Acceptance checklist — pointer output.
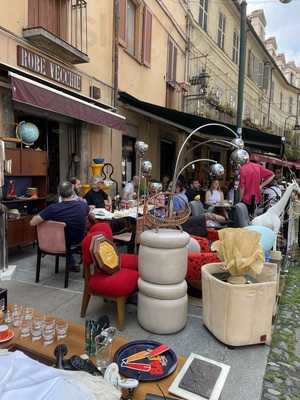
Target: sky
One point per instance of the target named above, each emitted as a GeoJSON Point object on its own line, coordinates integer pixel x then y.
{"type": "Point", "coordinates": [283, 22]}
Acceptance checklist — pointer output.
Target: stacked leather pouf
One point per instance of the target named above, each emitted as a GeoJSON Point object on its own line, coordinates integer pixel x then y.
{"type": "Point", "coordinates": [162, 298]}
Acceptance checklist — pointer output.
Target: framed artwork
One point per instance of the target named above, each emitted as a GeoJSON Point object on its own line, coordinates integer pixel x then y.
{"type": "Point", "coordinates": [200, 379]}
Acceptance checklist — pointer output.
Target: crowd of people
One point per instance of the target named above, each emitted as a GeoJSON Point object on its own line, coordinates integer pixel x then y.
{"type": "Point", "coordinates": [256, 186]}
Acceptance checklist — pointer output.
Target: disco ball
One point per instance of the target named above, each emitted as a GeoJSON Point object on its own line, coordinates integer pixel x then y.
{"type": "Point", "coordinates": [238, 142]}
{"type": "Point", "coordinates": [285, 1]}
{"type": "Point", "coordinates": [146, 167]}
{"type": "Point", "coordinates": [141, 148]}
{"type": "Point", "coordinates": [217, 170]}
{"type": "Point", "coordinates": [239, 156]}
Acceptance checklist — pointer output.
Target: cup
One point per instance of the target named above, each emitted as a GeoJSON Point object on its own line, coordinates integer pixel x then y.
{"type": "Point", "coordinates": [37, 327]}
{"type": "Point", "coordinates": [103, 352]}
{"type": "Point", "coordinates": [17, 312]}
{"type": "Point", "coordinates": [8, 316]}
{"type": "Point", "coordinates": [25, 328]}
{"type": "Point", "coordinates": [28, 313]}
{"type": "Point", "coordinates": [61, 329]}
{"type": "Point", "coordinates": [3, 332]}
{"type": "Point", "coordinates": [103, 343]}
{"type": "Point", "coordinates": [48, 330]}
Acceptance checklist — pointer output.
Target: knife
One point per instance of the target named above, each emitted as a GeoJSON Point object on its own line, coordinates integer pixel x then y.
{"type": "Point", "coordinates": [147, 353]}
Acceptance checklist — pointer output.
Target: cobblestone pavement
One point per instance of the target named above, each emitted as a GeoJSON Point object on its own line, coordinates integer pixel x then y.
{"type": "Point", "coordinates": [282, 377]}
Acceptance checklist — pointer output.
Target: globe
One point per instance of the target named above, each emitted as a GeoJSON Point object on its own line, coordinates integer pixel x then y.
{"type": "Point", "coordinates": [27, 132]}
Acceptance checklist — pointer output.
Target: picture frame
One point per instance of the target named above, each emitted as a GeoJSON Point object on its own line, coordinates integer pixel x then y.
{"type": "Point", "coordinates": [176, 390]}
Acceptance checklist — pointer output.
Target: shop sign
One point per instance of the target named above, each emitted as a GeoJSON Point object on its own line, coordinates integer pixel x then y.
{"type": "Point", "coordinates": [43, 66]}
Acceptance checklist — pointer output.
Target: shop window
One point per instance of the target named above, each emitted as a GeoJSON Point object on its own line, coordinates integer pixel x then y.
{"type": "Point", "coordinates": [203, 14]}
{"type": "Point", "coordinates": [221, 31]}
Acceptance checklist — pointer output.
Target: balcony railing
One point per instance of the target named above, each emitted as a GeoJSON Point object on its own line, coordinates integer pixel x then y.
{"type": "Point", "coordinates": [59, 27]}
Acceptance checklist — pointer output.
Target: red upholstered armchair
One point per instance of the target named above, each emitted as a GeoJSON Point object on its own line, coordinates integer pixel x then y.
{"type": "Point", "coordinates": [197, 260]}
{"type": "Point", "coordinates": [116, 287]}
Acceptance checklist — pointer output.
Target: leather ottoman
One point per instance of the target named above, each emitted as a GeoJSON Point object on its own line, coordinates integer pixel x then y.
{"type": "Point", "coordinates": [162, 298]}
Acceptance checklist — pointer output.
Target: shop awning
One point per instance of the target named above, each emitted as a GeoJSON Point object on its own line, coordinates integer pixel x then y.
{"type": "Point", "coordinates": [35, 94]}
{"type": "Point", "coordinates": [253, 138]}
{"type": "Point", "coordinates": [275, 161]}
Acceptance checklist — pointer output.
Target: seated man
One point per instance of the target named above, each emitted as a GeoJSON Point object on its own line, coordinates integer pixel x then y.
{"type": "Point", "coordinates": [194, 191]}
{"type": "Point", "coordinates": [70, 211]}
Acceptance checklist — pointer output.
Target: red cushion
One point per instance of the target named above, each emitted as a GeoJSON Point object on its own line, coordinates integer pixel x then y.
{"type": "Point", "coordinates": [104, 228]}
{"type": "Point", "coordinates": [196, 262]}
{"type": "Point", "coordinates": [129, 261]}
{"type": "Point", "coordinates": [212, 234]}
{"type": "Point", "coordinates": [121, 283]}
{"type": "Point", "coordinates": [203, 242]}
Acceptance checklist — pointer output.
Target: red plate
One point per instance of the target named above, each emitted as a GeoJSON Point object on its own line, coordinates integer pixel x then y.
{"type": "Point", "coordinates": [10, 335]}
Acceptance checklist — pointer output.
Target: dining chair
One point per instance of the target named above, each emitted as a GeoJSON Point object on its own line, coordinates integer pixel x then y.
{"type": "Point", "coordinates": [52, 240]}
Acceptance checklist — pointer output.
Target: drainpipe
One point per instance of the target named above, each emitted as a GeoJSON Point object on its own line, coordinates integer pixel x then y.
{"type": "Point", "coordinates": [115, 55]}
{"type": "Point", "coordinates": [242, 67]}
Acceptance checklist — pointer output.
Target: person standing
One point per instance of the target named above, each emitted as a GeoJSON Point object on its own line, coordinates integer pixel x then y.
{"type": "Point", "coordinates": [130, 189]}
{"type": "Point", "coordinates": [253, 178]}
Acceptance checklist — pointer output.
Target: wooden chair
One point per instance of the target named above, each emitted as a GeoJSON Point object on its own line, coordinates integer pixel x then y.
{"type": "Point", "coordinates": [52, 240]}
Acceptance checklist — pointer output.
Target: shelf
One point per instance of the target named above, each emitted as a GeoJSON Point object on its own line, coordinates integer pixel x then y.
{"type": "Point", "coordinates": [23, 200]}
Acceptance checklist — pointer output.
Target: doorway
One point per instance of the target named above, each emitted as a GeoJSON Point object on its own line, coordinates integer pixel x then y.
{"type": "Point", "coordinates": [128, 159]}
{"type": "Point", "coordinates": [167, 158]}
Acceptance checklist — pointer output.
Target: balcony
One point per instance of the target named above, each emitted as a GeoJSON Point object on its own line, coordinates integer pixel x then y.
{"type": "Point", "coordinates": [59, 27]}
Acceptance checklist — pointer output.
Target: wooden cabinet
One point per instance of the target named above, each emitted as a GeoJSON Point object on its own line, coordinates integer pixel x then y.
{"type": "Point", "coordinates": [33, 163]}
{"type": "Point", "coordinates": [15, 156]}
{"type": "Point", "coordinates": [19, 232]}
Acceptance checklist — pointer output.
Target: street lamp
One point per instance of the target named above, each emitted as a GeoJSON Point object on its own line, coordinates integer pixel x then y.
{"type": "Point", "coordinates": [242, 64]}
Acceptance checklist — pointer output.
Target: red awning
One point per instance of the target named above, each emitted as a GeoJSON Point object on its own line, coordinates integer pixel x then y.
{"type": "Point", "coordinates": [35, 94]}
{"type": "Point", "coordinates": [275, 161]}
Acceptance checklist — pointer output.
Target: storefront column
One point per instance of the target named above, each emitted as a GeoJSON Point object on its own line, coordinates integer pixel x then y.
{"type": "Point", "coordinates": [84, 154]}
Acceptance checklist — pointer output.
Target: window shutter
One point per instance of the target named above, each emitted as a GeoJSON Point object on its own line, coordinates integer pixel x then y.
{"type": "Point", "coordinates": [169, 61]}
{"type": "Point", "coordinates": [174, 63]}
{"type": "Point", "coordinates": [33, 13]}
{"type": "Point", "coordinates": [122, 22]}
{"type": "Point", "coordinates": [260, 74]}
{"type": "Point", "coordinates": [267, 75]}
{"type": "Point", "coordinates": [147, 37]}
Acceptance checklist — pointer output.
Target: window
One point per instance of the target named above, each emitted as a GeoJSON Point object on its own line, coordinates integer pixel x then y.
{"type": "Point", "coordinates": [203, 14]}
{"type": "Point", "coordinates": [135, 30]}
{"type": "Point", "coordinates": [267, 76]}
{"type": "Point", "coordinates": [235, 47]}
{"type": "Point", "coordinates": [171, 63]}
{"type": "Point", "coordinates": [292, 78]}
{"type": "Point", "coordinates": [221, 31]}
{"type": "Point", "coordinates": [291, 105]}
{"type": "Point", "coordinates": [281, 101]}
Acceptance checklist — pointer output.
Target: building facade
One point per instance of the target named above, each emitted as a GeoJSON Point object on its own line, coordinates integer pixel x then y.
{"type": "Point", "coordinates": [162, 56]}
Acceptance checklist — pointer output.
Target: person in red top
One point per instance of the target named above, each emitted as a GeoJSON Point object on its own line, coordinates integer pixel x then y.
{"type": "Point", "coordinates": [253, 178]}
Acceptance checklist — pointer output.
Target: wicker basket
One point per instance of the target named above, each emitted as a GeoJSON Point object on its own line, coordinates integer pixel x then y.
{"type": "Point", "coordinates": [166, 221]}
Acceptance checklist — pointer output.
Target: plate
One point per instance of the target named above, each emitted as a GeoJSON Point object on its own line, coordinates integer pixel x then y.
{"type": "Point", "coordinates": [8, 337]}
{"type": "Point", "coordinates": [164, 365]}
